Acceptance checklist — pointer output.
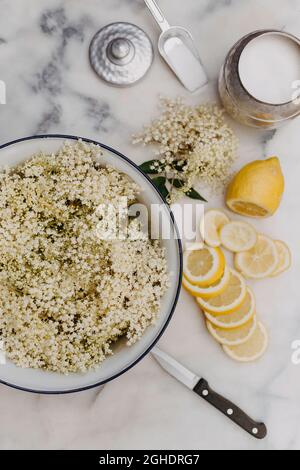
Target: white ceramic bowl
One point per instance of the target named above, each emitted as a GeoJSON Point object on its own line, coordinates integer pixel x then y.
{"type": "Point", "coordinates": [125, 357]}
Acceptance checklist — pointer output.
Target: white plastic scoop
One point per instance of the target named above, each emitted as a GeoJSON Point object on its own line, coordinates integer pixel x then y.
{"type": "Point", "coordinates": [176, 45]}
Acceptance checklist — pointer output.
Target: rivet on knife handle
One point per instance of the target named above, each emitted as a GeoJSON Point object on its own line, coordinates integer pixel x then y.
{"type": "Point", "coordinates": [257, 430]}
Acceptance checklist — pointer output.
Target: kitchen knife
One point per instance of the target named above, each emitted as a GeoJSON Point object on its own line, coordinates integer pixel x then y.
{"type": "Point", "coordinates": [202, 388]}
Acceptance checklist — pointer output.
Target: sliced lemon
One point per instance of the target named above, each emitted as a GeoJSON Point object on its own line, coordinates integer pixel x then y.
{"type": "Point", "coordinates": [233, 337]}
{"type": "Point", "coordinates": [203, 267]}
{"type": "Point", "coordinates": [285, 258]}
{"type": "Point", "coordinates": [210, 226]}
{"type": "Point", "coordinates": [238, 318]}
{"type": "Point", "coordinates": [259, 262]}
{"type": "Point", "coordinates": [253, 349]}
{"type": "Point", "coordinates": [238, 236]}
{"type": "Point", "coordinates": [208, 292]}
{"type": "Point", "coordinates": [256, 191]}
{"type": "Point", "coordinates": [230, 300]}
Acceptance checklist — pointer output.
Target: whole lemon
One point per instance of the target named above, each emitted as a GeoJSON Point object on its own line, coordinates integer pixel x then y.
{"type": "Point", "coordinates": [256, 191]}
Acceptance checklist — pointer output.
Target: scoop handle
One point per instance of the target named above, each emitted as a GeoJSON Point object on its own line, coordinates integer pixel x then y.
{"type": "Point", "coordinates": [158, 15]}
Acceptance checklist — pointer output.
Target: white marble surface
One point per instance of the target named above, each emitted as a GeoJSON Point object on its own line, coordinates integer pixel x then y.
{"type": "Point", "coordinates": [51, 89]}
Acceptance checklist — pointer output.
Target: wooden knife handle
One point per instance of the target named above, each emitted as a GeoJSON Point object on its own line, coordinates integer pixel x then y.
{"type": "Point", "coordinates": [235, 414]}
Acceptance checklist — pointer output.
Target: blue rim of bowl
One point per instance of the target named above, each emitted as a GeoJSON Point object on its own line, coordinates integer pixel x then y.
{"type": "Point", "coordinates": [180, 253]}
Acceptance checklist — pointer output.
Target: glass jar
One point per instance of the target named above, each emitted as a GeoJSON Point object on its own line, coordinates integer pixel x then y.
{"type": "Point", "coordinates": [240, 104]}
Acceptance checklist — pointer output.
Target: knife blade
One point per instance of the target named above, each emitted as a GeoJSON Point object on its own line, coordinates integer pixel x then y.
{"type": "Point", "coordinates": [201, 387]}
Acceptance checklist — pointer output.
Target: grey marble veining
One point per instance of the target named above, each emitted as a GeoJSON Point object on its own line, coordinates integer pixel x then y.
{"type": "Point", "coordinates": [51, 88]}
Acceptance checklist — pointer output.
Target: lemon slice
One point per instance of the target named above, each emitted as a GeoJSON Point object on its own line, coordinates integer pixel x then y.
{"type": "Point", "coordinates": [208, 292]}
{"type": "Point", "coordinates": [233, 337]}
{"type": "Point", "coordinates": [203, 267]}
{"type": "Point", "coordinates": [230, 300]}
{"type": "Point", "coordinates": [210, 226]}
{"type": "Point", "coordinates": [238, 236]}
{"type": "Point", "coordinates": [253, 349]}
{"type": "Point", "coordinates": [259, 262]}
{"type": "Point", "coordinates": [285, 258]}
{"type": "Point", "coordinates": [238, 318]}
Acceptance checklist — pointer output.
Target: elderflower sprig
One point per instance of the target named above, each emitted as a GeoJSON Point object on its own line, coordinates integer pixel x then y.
{"type": "Point", "coordinates": [195, 144]}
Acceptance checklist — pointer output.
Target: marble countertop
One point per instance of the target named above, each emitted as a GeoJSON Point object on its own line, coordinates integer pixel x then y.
{"type": "Point", "coordinates": [52, 89]}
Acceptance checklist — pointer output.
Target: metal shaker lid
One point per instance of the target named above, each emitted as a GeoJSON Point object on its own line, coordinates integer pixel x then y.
{"type": "Point", "coordinates": [121, 53]}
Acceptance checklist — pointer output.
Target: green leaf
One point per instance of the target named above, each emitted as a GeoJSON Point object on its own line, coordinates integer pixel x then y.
{"type": "Point", "coordinates": [160, 183]}
{"type": "Point", "coordinates": [160, 180]}
{"type": "Point", "coordinates": [177, 183]}
{"type": "Point", "coordinates": [147, 167]}
{"type": "Point", "coordinates": [193, 194]}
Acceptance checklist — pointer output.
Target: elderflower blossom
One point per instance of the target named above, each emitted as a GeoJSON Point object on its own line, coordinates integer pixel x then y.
{"type": "Point", "coordinates": [195, 144]}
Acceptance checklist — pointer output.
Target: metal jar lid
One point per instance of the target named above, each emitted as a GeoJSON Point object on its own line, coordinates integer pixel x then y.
{"type": "Point", "coordinates": [121, 53]}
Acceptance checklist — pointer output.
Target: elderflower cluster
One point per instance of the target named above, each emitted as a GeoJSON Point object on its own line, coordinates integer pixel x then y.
{"type": "Point", "coordinates": [65, 294]}
{"type": "Point", "coordinates": [194, 145]}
